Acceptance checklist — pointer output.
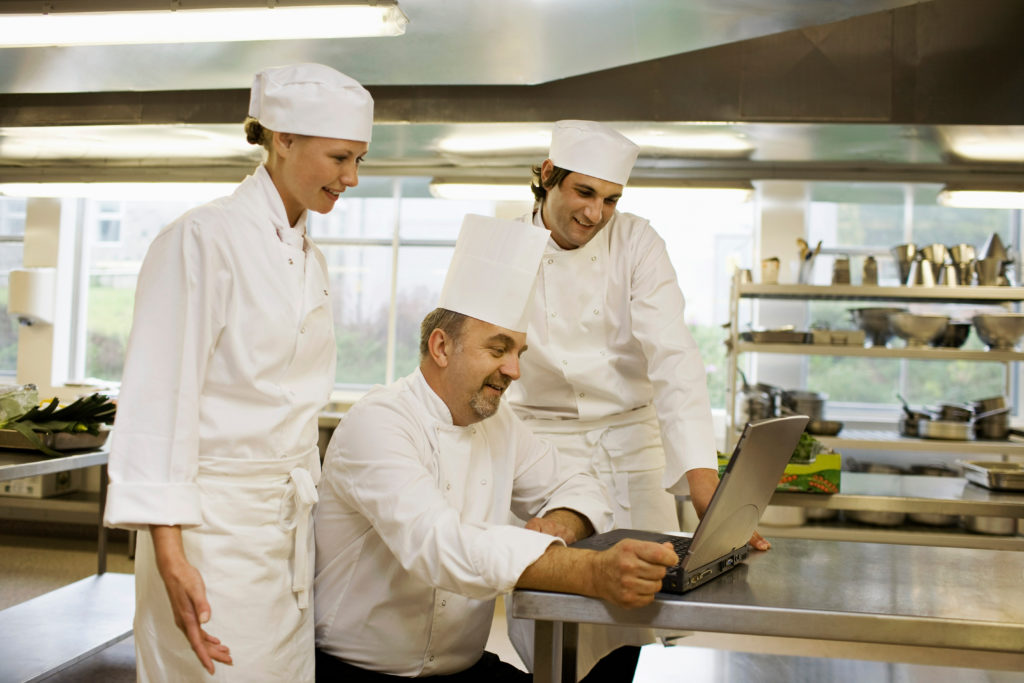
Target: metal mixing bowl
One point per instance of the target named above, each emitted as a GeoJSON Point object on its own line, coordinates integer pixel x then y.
{"type": "Point", "coordinates": [1000, 331]}
{"type": "Point", "coordinates": [918, 329]}
{"type": "Point", "coordinates": [875, 323]}
{"type": "Point", "coordinates": [954, 337]}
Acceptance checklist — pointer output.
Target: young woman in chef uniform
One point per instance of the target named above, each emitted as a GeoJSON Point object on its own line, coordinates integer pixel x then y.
{"type": "Point", "coordinates": [214, 457]}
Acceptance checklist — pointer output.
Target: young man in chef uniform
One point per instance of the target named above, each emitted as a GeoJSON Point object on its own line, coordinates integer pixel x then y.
{"type": "Point", "coordinates": [613, 378]}
{"type": "Point", "coordinates": [231, 357]}
{"type": "Point", "coordinates": [412, 534]}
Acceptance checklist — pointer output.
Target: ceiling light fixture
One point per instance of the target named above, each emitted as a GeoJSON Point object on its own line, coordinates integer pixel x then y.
{"type": "Point", "coordinates": [640, 189]}
{"type": "Point", "coordinates": [982, 198]}
{"type": "Point", "coordinates": [126, 192]}
{"type": "Point", "coordinates": [493, 190]}
{"type": "Point", "coordinates": [88, 24]}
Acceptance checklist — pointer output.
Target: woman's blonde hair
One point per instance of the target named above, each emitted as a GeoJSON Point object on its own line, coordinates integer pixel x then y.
{"type": "Point", "coordinates": [256, 134]}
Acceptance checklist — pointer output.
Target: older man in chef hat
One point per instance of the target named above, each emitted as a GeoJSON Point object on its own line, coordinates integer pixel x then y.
{"type": "Point", "coordinates": [614, 377]}
{"type": "Point", "coordinates": [413, 540]}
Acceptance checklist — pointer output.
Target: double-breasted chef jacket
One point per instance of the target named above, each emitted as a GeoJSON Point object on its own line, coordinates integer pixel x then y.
{"type": "Point", "coordinates": [413, 540]}
{"type": "Point", "coordinates": [608, 340]}
{"type": "Point", "coordinates": [230, 359]}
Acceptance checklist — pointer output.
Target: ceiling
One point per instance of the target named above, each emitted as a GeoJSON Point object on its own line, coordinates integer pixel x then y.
{"type": "Point", "coordinates": [713, 89]}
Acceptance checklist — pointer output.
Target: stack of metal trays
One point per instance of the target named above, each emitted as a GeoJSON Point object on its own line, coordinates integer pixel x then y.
{"type": "Point", "coordinates": [1007, 476]}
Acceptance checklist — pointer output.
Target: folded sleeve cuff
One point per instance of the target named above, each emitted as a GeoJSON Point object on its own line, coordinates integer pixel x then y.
{"type": "Point", "coordinates": [504, 552]}
{"type": "Point", "coordinates": [134, 505]}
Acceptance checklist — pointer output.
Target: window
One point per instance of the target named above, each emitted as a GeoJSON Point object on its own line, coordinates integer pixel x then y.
{"type": "Point", "coordinates": [868, 219]}
{"type": "Point", "coordinates": [12, 235]}
{"type": "Point", "coordinates": [108, 222]}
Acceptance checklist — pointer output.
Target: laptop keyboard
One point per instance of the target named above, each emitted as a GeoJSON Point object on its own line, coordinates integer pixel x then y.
{"type": "Point", "coordinates": [681, 544]}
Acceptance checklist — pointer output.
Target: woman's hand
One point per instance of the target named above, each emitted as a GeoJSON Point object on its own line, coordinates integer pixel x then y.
{"type": "Point", "coordinates": [187, 594]}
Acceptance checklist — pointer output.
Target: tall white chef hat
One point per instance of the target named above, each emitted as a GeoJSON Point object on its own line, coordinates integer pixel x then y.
{"type": "Point", "coordinates": [311, 99]}
{"type": "Point", "coordinates": [593, 149]}
{"type": "Point", "coordinates": [493, 270]}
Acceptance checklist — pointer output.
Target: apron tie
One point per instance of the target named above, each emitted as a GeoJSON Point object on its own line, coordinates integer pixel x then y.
{"type": "Point", "coordinates": [301, 497]}
{"type": "Point", "coordinates": [620, 488]}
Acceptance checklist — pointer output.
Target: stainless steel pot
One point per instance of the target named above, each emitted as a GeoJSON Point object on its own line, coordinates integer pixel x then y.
{"type": "Point", "coordinates": [876, 518]}
{"type": "Point", "coordinates": [809, 403]}
{"type": "Point", "coordinates": [995, 526]}
{"type": "Point", "coordinates": [933, 518]}
{"type": "Point", "coordinates": [950, 430]}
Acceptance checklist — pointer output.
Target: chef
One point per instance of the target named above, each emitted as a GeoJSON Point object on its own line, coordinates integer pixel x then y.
{"type": "Point", "coordinates": [412, 533]}
{"type": "Point", "coordinates": [231, 356]}
{"type": "Point", "coordinates": [613, 378]}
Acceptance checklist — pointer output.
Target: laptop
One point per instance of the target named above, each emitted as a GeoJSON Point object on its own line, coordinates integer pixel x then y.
{"type": "Point", "coordinates": [720, 541]}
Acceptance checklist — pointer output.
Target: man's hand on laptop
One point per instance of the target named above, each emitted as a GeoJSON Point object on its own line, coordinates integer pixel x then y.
{"type": "Point", "coordinates": [630, 572]}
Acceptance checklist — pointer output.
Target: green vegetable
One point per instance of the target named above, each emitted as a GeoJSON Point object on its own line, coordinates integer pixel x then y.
{"type": "Point", "coordinates": [84, 415]}
{"type": "Point", "coordinates": [806, 449]}
{"type": "Point", "coordinates": [17, 400]}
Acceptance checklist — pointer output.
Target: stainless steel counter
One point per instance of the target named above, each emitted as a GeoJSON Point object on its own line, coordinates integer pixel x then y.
{"type": "Point", "coordinates": [950, 599]}
{"type": "Point", "coordinates": [910, 493]}
{"type": "Point", "coordinates": [19, 465]}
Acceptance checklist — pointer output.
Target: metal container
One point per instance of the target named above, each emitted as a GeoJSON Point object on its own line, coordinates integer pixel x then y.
{"type": "Point", "coordinates": [908, 422]}
{"type": "Point", "coordinates": [950, 430]}
{"type": "Point", "coordinates": [918, 329]}
{"type": "Point", "coordinates": [809, 403]}
{"type": "Point", "coordinates": [875, 322]}
{"type": "Point", "coordinates": [955, 412]}
{"type": "Point", "coordinates": [922, 274]}
{"type": "Point", "coordinates": [876, 518]}
{"type": "Point", "coordinates": [1000, 331]}
{"type": "Point", "coordinates": [954, 337]}
{"type": "Point", "coordinates": [824, 427]}
{"type": "Point", "coordinates": [904, 255]}
{"type": "Point", "coordinates": [1008, 476]}
{"type": "Point", "coordinates": [933, 518]}
{"type": "Point", "coordinates": [994, 526]}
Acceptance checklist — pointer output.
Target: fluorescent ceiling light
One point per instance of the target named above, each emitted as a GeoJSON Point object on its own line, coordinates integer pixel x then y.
{"type": "Point", "coordinates": [495, 142]}
{"type": "Point", "coordinates": [201, 25]}
{"type": "Point", "coordinates": [494, 191]}
{"type": "Point", "coordinates": [985, 143]}
{"type": "Point", "coordinates": [982, 199]}
{"type": "Point", "coordinates": [126, 192]}
{"type": "Point", "coordinates": [712, 143]}
{"type": "Point", "coordinates": [172, 141]}
{"type": "Point", "coordinates": [689, 195]}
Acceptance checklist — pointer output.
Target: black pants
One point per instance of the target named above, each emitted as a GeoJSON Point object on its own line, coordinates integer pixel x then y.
{"type": "Point", "coordinates": [618, 667]}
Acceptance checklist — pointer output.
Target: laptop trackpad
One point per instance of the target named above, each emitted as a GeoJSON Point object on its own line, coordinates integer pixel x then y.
{"type": "Point", "coordinates": [723, 535]}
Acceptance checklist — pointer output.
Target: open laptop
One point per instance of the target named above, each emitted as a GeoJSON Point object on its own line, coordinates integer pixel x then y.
{"type": "Point", "coordinates": [720, 540]}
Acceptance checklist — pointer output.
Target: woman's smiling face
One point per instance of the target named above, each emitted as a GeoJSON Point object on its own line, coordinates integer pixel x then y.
{"type": "Point", "coordinates": [312, 172]}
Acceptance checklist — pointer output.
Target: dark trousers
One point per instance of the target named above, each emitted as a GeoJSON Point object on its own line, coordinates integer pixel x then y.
{"type": "Point", "coordinates": [617, 667]}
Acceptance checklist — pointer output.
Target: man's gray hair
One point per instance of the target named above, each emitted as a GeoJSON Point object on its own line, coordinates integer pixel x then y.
{"type": "Point", "coordinates": [442, 319]}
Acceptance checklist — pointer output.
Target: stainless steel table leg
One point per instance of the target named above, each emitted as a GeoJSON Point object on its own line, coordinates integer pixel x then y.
{"type": "Point", "coordinates": [101, 543]}
{"type": "Point", "coordinates": [554, 654]}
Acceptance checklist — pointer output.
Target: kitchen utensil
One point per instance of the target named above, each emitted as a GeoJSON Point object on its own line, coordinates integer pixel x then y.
{"type": "Point", "coordinates": [989, 271]}
{"type": "Point", "coordinates": [949, 275]}
{"type": "Point", "coordinates": [841, 270]}
{"type": "Point", "coordinates": [999, 331]}
{"type": "Point", "coordinates": [1008, 476]}
{"type": "Point", "coordinates": [907, 424]}
{"type": "Point", "coordinates": [869, 272]}
{"type": "Point", "coordinates": [922, 273]}
{"type": "Point", "coordinates": [824, 427]}
{"type": "Point", "coordinates": [954, 336]}
{"type": "Point", "coordinates": [904, 255]}
{"type": "Point", "coordinates": [875, 323]}
{"type": "Point", "coordinates": [936, 253]}
{"type": "Point", "coordinates": [955, 412]}
{"type": "Point", "coordinates": [961, 253]}
{"type": "Point", "coordinates": [993, 248]}
{"type": "Point", "coordinates": [965, 272]}
{"type": "Point", "coordinates": [770, 271]}
{"type": "Point", "coordinates": [982, 405]}
{"type": "Point", "coordinates": [918, 329]}
{"type": "Point", "coordinates": [746, 277]}
{"type": "Point", "coordinates": [949, 430]}
{"type": "Point", "coordinates": [994, 526]}
{"type": "Point", "coordinates": [933, 518]}
{"type": "Point", "coordinates": [780, 336]}
{"type": "Point", "coordinates": [809, 403]}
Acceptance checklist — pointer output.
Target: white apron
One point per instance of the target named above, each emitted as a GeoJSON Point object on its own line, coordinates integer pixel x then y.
{"type": "Point", "coordinates": [255, 554]}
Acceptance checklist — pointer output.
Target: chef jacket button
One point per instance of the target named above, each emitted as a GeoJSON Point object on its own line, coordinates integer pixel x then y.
{"type": "Point", "coordinates": [581, 394]}
{"type": "Point", "coordinates": [431, 657]}
{"type": "Point", "coordinates": [551, 260]}
{"type": "Point", "coordinates": [291, 262]}
{"type": "Point", "coordinates": [302, 331]}
{"type": "Point", "coordinates": [597, 311]}
{"type": "Point", "coordinates": [444, 603]}
{"type": "Point", "coordinates": [554, 315]}
{"type": "Point", "coordinates": [448, 486]}
{"type": "Point", "coordinates": [565, 362]}
{"type": "Point", "coordinates": [325, 292]}
{"type": "Point", "coordinates": [483, 482]}
{"type": "Point", "coordinates": [593, 258]}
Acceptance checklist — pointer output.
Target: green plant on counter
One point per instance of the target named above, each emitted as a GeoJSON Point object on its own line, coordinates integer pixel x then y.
{"type": "Point", "coordinates": [85, 415]}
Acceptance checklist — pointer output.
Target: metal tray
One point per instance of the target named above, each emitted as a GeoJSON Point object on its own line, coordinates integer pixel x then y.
{"type": "Point", "coordinates": [58, 441]}
{"type": "Point", "coordinates": [776, 337]}
{"type": "Point", "coordinates": [995, 475]}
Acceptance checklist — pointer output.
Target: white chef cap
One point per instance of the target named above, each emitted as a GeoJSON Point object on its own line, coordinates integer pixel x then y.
{"type": "Point", "coordinates": [493, 270]}
{"type": "Point", "coordinates": [311, 99]}
{"type": "Point", "coordinates": [593, 149]}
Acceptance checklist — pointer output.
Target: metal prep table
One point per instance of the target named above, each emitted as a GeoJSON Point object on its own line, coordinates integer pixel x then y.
{"type": "Point", "coordinates": [19, 465]}
{"type": "Point", "coordinates": [958, 606]}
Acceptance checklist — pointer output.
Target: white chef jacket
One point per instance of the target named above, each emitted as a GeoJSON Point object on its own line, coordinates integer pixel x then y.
{"type": "Point", "coordinates": [413, 544]}
{"type": "Point", "coordinates": [608, 337]}
{"type": "Point", "coordinates": [230, 358]}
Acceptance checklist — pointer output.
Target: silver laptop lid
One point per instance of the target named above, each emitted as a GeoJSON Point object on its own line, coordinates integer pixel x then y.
{"type": "Point", "coordinates": [753, 473]}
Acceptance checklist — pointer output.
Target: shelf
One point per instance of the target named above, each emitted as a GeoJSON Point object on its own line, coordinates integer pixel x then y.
{"type": "Point", "coordinates": [989, 294]}
{"type": "Point", "coordinates": [917, 535]}
{"type": "Point", "coordinates": [886, 440]}
{"type": "Point", "coordinates": [81, 507]}
{"type": "Point", "coordinates": [922, 353]}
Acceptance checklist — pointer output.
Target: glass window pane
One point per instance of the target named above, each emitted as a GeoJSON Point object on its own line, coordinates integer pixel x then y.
{"type": "Point", "coordinates": [12, 215]}
{"type": "Point", "coordinates": [421, 272]}
{"type": "Point", "coordinates": [353, 217]}
{"type": "Point", "coordinates": [360, 283]}
{"type": "Point", "coordinates": [112, 270]}
{"type": "Point", "coordinates": [10, 257]}
{"type": "Point", "coordinates": [440, 219]}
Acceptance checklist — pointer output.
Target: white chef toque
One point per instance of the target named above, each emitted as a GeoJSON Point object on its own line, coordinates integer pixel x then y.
{"type": "Point", "coordinates": [493, 270]}
{"type": "Point", "coordinates": [593, 149]}
{"type": "Point", "coordinates": [311, 99]}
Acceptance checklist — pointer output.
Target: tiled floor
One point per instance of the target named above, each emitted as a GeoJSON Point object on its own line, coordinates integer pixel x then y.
{"type": "Point", "coordinates": [30, 566]}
